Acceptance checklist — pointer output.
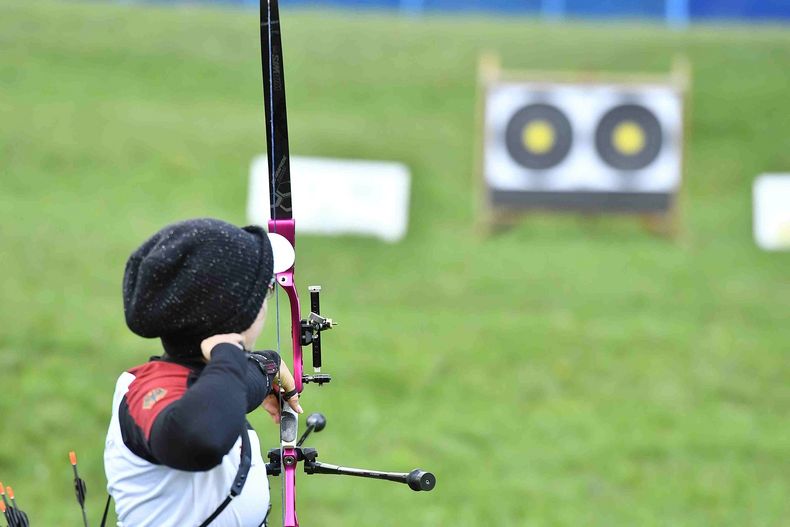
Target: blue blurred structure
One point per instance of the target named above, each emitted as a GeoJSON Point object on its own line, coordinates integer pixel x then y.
{"type": "Point", "coordinates": [677, 13]}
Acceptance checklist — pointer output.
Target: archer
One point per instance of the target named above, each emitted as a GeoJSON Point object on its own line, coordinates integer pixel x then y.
{"type": "Point", "coordinates": [179, 451]}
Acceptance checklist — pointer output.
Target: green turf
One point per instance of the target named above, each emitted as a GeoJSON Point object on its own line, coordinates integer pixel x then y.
{"type": "Point", "coordinates": [568, 372]}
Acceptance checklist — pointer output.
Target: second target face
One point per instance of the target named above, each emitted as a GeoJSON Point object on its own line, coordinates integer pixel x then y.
{"type": "Point", "coordinates": [538, 136]}
{"type": "Point", "coordinates": [628, 137]}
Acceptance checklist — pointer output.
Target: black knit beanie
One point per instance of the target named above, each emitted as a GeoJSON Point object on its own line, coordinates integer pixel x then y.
{"type": "Point", "coordinates": [194, 279]}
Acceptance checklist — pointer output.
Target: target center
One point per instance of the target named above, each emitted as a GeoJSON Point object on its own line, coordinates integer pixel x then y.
{"type": "Point", "coordinates": [538, 137]}
{"type": "Point", "coordinates": [628, 138]}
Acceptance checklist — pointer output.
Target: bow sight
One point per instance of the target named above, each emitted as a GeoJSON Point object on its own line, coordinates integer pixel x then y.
{"type": "Point", "coordinates": [280, 458]}
{"type": "Point", "coordinates": [312, 327]}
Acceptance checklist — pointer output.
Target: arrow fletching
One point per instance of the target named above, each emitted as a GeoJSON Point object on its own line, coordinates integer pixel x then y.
{"type": "Point", "coordinates": [80, 490]}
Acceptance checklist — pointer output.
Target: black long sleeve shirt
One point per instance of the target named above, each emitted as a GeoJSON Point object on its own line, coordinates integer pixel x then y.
{"type": "Point", "coordinates": [187, 415]}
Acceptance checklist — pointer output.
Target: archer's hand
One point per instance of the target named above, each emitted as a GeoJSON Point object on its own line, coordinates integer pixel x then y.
{"type": "Point", "coordinates": [282, 384]}
{"type": "Point", "coordinates": [208, 344]}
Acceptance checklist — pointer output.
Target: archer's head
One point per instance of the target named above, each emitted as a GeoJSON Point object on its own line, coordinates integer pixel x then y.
{"type": "Point", "coordinates": [198, 278]}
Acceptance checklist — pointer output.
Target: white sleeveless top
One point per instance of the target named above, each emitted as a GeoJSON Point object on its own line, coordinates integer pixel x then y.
{"type": "Point", "coordinates": [148, 495]}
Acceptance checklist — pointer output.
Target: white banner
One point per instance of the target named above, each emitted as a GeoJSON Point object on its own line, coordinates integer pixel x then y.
{"type": "Point", "coordinates": [771, 193]}
{"type": "Point", "coordinates": [338, 196]}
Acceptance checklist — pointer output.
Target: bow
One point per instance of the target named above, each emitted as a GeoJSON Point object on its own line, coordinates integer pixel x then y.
{"type": "Point", "coordinates": [282, 224]}
{"type": "Point", "coordinates": [285, 459]}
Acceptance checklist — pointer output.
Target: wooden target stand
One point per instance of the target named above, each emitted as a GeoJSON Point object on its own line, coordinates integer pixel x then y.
{"type": "Point", "coordinates": [491, 217]}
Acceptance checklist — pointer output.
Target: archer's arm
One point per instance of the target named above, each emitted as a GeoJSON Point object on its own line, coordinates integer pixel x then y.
{"type": "Point", "coordinates": [167, 420]}
{"type": "Point", "coordinates": [198, 429]}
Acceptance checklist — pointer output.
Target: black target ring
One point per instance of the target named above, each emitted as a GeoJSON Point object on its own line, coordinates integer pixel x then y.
{"type": "Point", "coordinates": [538, 136]}
{"type": "Point", "coordinates": [628, 137]}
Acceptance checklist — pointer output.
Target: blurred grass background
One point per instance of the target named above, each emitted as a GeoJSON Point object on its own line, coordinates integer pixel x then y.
{"type": "Point", "coordinates": [572, 371]}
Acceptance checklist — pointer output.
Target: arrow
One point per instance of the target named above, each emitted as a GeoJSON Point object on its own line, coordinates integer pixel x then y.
{"type": "Point", "coordinates": [80, 489]}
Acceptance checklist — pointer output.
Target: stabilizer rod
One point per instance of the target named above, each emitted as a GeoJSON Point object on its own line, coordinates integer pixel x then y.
{"type": "Point", "coordinates": [315, 423]}
{"type": "Point", "coordinates": [417, 480]}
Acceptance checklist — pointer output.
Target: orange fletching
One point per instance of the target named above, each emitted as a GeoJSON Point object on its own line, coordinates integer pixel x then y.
{"type": "Point", "coordinates": [2, 489]}
{"type": "Point", "coordinates": [2, 506]}
{"type": "Point", "coordinates": [73, 457]}
{"type": "Point", "coordinates": [10, 492]}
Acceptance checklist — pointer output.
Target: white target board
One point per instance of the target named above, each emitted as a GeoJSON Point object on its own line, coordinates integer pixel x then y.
{"type": "Point", "coordinates": [338, 196]}
{"type": "Point", "coordinates": [604, 146]}
{"type": "Point", "coordinates": [771, 194]}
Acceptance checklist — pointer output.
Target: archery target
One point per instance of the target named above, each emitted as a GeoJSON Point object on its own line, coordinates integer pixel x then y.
{"type": "Point", "coordinates": [628, 137]}
{"type": "Point", "coordinates": [538, 136]}
{"type": "Point", "coordinates": [582, 140]}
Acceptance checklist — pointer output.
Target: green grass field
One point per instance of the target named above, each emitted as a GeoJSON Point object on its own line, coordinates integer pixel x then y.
{"type": "Point", "coordinates": [569, 372]}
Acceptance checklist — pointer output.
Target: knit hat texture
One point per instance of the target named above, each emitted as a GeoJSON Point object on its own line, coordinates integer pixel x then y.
{"type": "Point", "coordinates": [197, 278]}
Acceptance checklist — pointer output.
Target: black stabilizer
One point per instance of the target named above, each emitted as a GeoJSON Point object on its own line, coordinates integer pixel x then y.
{"type": "Point", "coordinates": [420, 480]}
{"type": "Point", "coordinates": [417, 480]}
{"type": "Point", "coordinates": [315, 423]}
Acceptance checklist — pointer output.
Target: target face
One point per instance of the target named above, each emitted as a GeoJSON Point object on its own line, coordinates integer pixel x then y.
{"type": "Point", "coordinates": [628, 137]}
{"type": "Point", "coordinates": [538, 136]}
{"type": "Point", "coordinates": [591, 146]}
